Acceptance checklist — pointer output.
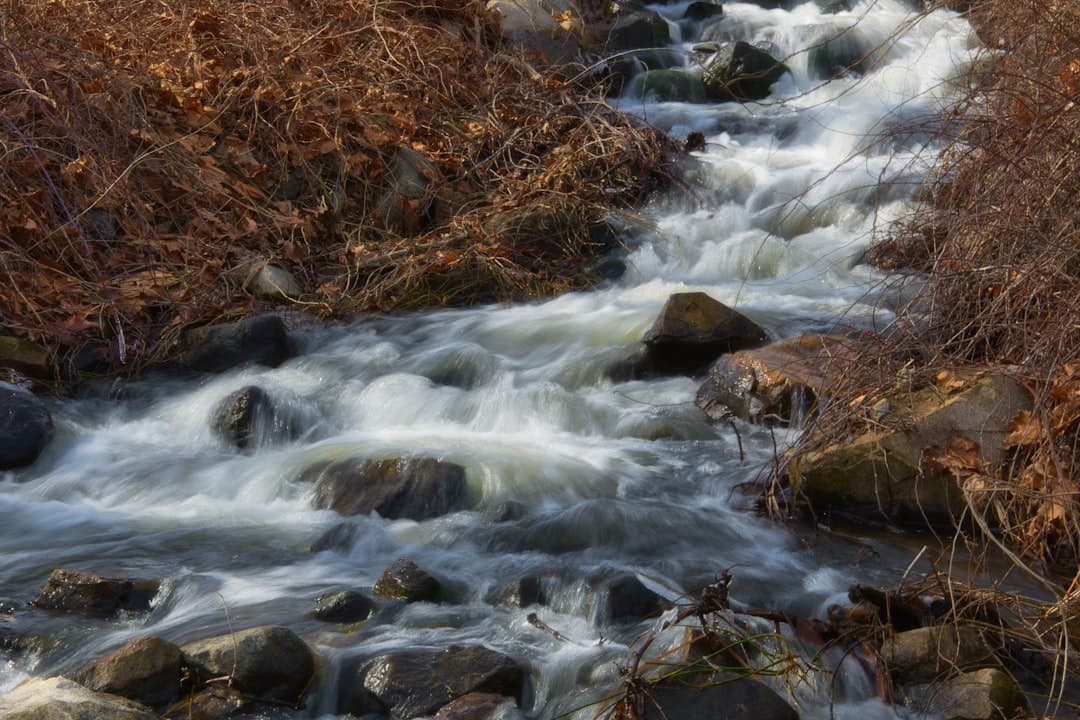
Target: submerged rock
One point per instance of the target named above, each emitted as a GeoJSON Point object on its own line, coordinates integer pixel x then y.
{"type": "Point", "coordinates": [669, 86]}
{"type": "Point", "coordinates": [146, 669]}
{"type": "Point", "coordinates": [843, 53]}
{"type": "Point", "coordinates": [741, 71]}
{"type": "Point", "coordinates": [692, 330]}
{"type": "Point", "coordinates": [404, 580]}
{"type": "Point", "coordinates": [343, 606]}
{"type": "Point", "coordinates": [781, 381]}
{"type": "Point", "coordinates": [629, 600]}
{"type": "Point", "coordinates": [885, 473]}
{"type": "Point", "coordinates": [267, 662]}
{"type": "Point", "coordinates": [58, 698]}
{"type": "Point", "coordinates": [418, 683]}
{"type": "Point", "coordinates": [79, 592]}
{"type": "Point", "coordinates": [249, 417]}
{"type": "Point", "coordinates": [413, 488]}
{"type": "Point", "coordinates": [25, 428]}
{"type": "Point", "coordinates": [987, 694]}
{"type": "Point", "coordinates": [260, 340]}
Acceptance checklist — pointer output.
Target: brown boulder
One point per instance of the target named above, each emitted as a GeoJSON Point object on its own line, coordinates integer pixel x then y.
{"type": "Point", "coordinates": [692, 330]}
{"type": "Point", "coordinates": [781, 381]}
{"type": "Point", "coordinates": [146, 669]}
{"type": "Point", "coordinates": [79, 592]}
{"type": "Point", "coordinates": [266, 662]}
{"type": "Point", "coordinates": [413, 488]}
{"type": "Point", "coordinates": [404, 580]}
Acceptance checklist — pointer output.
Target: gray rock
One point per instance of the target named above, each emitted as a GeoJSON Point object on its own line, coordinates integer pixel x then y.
{"type": "Point", "coordinates": [741, 71]}
{"type": "Point", "coordinates": [932, 652]}
{"type": "Point", "coordinates": [404, 580]}
{"type": "Point", "coordinates": [987, 694]}
{"type": "Point", "coordinates": [79, 592]}
{"type": "Point", "coordinates": [25, 428]}
{"type": "Point", "coordinates": [343, 606]}
{"type": "Point", "coordinates": [418, 683]}
{"type": "Point", "coordinates": [58, 698]}
{"type": "Point", "coordinates": [406, 206]}
{"type": "Point", "coordinates": [249, 417]}
{"type": "Point", "coordinates": [145, 669]}
{"type": "Point", "coordinates": [267, 662]}
{"type": "Point", "coordinates": [629, 600]}
{"type": "Point", "coordinates": [525, 592]}
{"type": "Point", "coordinates": [730, 697]}
{"type": "Point", "coordinates": [260, 340]}
{"type": "Point", "coordinates": [839, 55]}
{"type": "Point", "coordinates": [274, 282]}
{"type": "Point", "coordinates": [414, 488]}
{"type": "Point", "coordinates": [637, 30]}
{"type": "Point", "coordinates": [692, 330]}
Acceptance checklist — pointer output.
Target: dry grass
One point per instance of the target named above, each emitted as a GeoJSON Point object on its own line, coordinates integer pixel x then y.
{"type": "Point", "coordinates": [150, 150]}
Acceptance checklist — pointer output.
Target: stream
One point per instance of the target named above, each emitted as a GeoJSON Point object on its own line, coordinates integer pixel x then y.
{"type": "Point", "coordinates": [603, 477]}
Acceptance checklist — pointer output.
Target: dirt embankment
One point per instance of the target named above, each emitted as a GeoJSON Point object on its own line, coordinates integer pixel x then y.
{"type": "Point", "coordinates": [387, 155]}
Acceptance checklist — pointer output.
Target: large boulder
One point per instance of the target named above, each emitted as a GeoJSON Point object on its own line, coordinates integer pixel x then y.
{"type": "Point", "coordinates": [146, 669]}
{"type": "Point", "coordinates": [268, 662]}
{"type": "Point", "coordinates": [692, 330]}
{"type": "Point", "coordinates": [260, 340]}
{"type": "Point", "coordinates": [405, 580]}
{"type": "Point", "coordinates": [75, 591]}
{"type": "Point", "coordinates": [58, 698]}
{"type": "Point", "coordinates": [740, 71]}
{"type": "Point", "coordinates": [639, 29]}
{"type": "Point", "coordinates": [413, 488]}
{"type": "Point", "coordinates": [249, 417]}
{"type": "Point", "coordinates": [888, 473]}
{"type": "Point", "coordinates": [730, 697]}
{"type": "Point", "coordinates": [987, 694]}
{"type": "Point", "coordinates": [417, 683]}
{"type": "Point", "coordinates": [781, 381]}
{"type": "Point", "coordinates": [25, 428]}
{"type": "Point", "coordinates": [929, 653]}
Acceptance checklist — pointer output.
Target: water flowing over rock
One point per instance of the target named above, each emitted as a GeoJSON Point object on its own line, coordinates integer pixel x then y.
{"type": "Point", "coordinates": [260, 340]}
{"type": "Point", "coordinates": [62, 699]}
{"type": "Point", "coordinates": [414, 488]}
{"type": "Point", "coordinates": [249, 417]}
{"type": "Point", "coordinates": [692, 330]}
{"type": "Point", "coordinates": [418, 683]}
{"type": "Point", "coordinates": [669, 85]}
{"type": "Point", "coordinates": [266, 662]}
{"type": "Point", "coordinates": [629, 600]}
{"type": "Point", "coordinates": [25, 428]}
{"type": "Point", "coordinates": [404, 580]}
{"type": "Point", "coordinates": [884, 473]}
{"type": "Point", "coordinates": [780, 382]}
{"type": "Point", "coordinates": [80, 592]}
{"type": "Point", "coordinates": [145, 669]}
{"type": "Point", "coordinates": [742, 72]}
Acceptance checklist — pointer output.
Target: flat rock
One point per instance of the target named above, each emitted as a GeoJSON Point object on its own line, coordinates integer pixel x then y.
{"type": "Point", "coordinates": [259, 340]}
{"type": "Point", "coordinates": [882, 474]}
{"type": "Point", "coordinates": [79, 592]}
{"type": "Point", "coordinates": [58, 698]}
{"type": "Point", "coordinates": [413, 488]}
{"type": "Point", "coordinates": [694, 329]}
{"type": "Point", "coordinates": [25, 428]}
{"type": "Point", "coordinates": [987, 694]}
{"type": "Point", "coordinates": [267, 662]}
{"type": "Point", "coordinates": [780, 381]}
{"type": "Point", "coordinates": [931, 652]}
{"type": "Point", "coordinates": [418, 683]}
{"type": "Point", "coordinates": [145, 669]}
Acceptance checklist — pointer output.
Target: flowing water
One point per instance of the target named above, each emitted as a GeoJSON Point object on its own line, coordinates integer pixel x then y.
{"type": "Point", "coordinates": [612, 476]}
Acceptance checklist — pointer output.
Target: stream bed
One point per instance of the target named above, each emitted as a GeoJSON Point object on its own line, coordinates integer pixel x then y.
{"type": "Point", "coordinates": [571, 477]}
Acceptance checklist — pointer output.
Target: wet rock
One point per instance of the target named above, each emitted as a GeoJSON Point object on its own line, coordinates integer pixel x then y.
{"type": "Point", "coordinates": [24, 356]}
{"type": "Point", "coordinates": [273, 282]}
{"type": "Point", "coordinates": [146, 669]}
{"type": "Point", "coordinates": [987, 694]}
{"type": "Point", "coordinates": [525, 592]}
{"type": "Point", "coordinates": [637, 30]}
{"type": "Point", "coordinates": [476, 706]}
{"type": "Point", "coordinates": [702, 10]}
{"type": "Point", "coordinates": [692, 330]}
{"type": "Point", "coordinates": [211, 703]}
{"type": "Point", "coordinates": [669, 86]}
{"type": "Point", "coordinates": [629, 600]}
{"type": "Point", "coordinates": [339, 537]}
{"type": "Point", "coordinates": [25, 428]}
{"type": "Point", "coordinates": [506, 511]}
{"type": "Point", "coordinates": [343, 606]}
{"type": "Point", "coordinates": [404, 580]}
{"type": "Point", "coordinates": [885, 474]}
{"type": "Point", "coordinates": [839, 55]}
{"type": "Point", "coordinates": [741, 71]}
{"type": "Point", "coordinates": [781, 381]}
{"type": "Point", "coordinates": [414, 488]}
{"type": "Point", "coordinates": [929, 653]}
{"type": "Point", "coordinates": [260, 340]}
{"type": "Point", "coordinates": [248, 417]}
{"type": "Point", "coordinates": [58, 698]}
{"type": "Point", "coordinates": [417, 683]}
{"type": "Point", "coordinates": [406, 206]}
{"type": "Point", "coordinates": [267, 662]}
{"type": "Point", "coordinates": [79, 592]}
{"type": "Point", "coordinates": [729, 697]}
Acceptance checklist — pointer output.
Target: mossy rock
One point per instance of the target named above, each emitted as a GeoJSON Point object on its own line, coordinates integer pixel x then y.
{"type": "Point", "coordinates": [670, 86]}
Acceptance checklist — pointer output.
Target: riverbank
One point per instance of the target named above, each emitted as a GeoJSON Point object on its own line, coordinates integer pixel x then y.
{"type": "Point", "coordinates": [168, 168]}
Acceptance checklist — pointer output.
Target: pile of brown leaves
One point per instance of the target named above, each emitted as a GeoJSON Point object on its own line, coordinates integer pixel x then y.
{"type": "Point", "coordinates": [151, 152]}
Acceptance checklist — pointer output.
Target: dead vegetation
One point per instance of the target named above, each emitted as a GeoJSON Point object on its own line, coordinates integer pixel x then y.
{"type": "Point", "coordinates": [151, 152]}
